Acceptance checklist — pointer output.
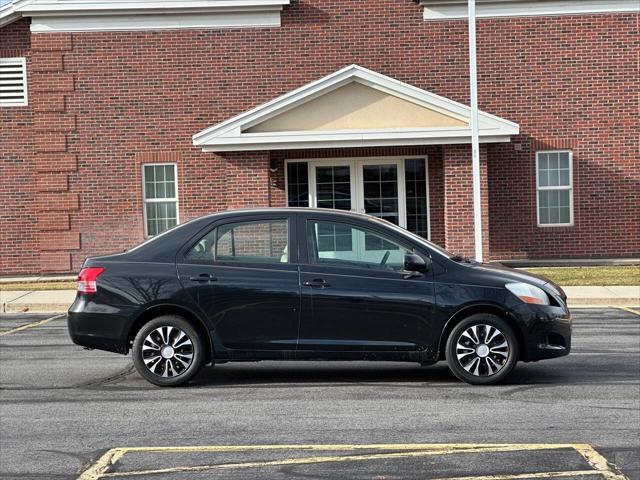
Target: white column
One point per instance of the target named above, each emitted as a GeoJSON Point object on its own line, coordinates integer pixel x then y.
{"type": "Point", "coordinates": [475, 137]}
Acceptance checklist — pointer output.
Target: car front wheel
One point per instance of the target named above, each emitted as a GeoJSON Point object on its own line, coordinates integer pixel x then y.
{"type": "Point", "coordinates": [482, 349]}
{"type": "Point", "coordinates": [167, 351]}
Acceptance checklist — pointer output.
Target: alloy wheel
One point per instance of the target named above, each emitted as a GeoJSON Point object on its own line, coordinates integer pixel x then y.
{"type": "Point", "coordinates": [482, 350]}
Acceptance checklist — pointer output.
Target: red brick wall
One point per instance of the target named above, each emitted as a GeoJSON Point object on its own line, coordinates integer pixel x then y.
{"type": "Point", "coordinates": [16, 38]}
{"type": "Point", "coordinates": [567, 78]}
{"type": "Point", "coordinates": [18, 188]}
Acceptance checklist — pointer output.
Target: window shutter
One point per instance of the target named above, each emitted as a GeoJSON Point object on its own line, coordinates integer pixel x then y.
{"type": "Point", "coordinates": [13, 82]}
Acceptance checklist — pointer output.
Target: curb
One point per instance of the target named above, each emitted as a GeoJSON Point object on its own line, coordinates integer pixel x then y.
{"type": "Point", "coordinates": [603, 302]}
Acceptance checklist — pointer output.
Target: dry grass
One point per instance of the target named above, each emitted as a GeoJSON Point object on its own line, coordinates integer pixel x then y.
{"type": "Point", "coordinates": [626, 275]}
{"type": "Point", "coordinates": [56, 285]}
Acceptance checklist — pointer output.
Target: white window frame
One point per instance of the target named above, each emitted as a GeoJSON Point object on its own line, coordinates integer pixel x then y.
{"type": "Point", "coordinates": [357, 194]}
{"type": "Point", "coordinates": [146, 200]}
{"type": "Point", "coordinates": [542, 189]}
{"type": "Point", "coordinates": [23, 64]}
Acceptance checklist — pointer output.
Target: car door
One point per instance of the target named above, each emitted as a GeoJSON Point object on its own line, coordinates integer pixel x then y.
{"type": "Point", "coordinates": [244, 279]}
{"type": "Point", "coordinates": [355, 294]}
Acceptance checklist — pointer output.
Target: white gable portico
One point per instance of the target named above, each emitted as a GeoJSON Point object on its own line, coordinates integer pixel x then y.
{"type": "Point", "coordinates": [313, 139]}
{"type": "Point", "coordinates": [353, 107]}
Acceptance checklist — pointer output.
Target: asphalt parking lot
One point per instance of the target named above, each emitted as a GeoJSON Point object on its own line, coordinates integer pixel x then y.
{"type": "Point", "coordinates": [67, 413]}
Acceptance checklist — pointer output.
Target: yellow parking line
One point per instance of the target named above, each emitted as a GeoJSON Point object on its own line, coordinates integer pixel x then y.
{"type": "Point", "coordinates": [630, 310]}
{"type": "Point", "coordinates": [30, 325]}
{"type": "Point", "coordinates": [598, 462]}
{"type": "Point", "coordinates": [111, 457]}
{"type": "Point", "coordinates": [341, 446]}
{"type": "Point", "coordinates": [313, 460]}
{"type": "Point", "coordinates": [573, 473]}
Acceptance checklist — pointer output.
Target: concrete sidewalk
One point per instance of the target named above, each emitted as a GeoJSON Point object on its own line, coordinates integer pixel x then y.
{"type": "Point", "coordinates": [611, 296]}
{"type": "Point", "coordinates": [58, 301]}
{"type": "Point", "coordinates": [39, 301]}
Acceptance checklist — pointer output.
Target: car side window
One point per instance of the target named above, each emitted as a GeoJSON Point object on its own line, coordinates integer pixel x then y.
{"type": "Point", "coordinates": [263, 241]}
{"type": "Point", "coordinates": [203, 251]}
{"type": "Point", "coordinates": [342, 244]}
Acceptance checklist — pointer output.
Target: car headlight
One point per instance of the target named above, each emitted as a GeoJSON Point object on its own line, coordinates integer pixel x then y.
{"type": "Point", "coordinates": [528, 293]}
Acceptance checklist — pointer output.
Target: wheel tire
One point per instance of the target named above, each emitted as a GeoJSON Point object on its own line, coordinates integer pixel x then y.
{"type": "Point", "coordinates": [461, 343]}
{"type": "Point", "coordinates": [152, 333]}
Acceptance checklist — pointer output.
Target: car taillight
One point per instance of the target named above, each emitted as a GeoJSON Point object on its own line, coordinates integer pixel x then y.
{"type": "Point", "coordinates": [87, 279]}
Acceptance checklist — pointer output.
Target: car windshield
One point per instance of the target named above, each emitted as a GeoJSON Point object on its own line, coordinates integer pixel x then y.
{"type": "Point", "coordinates": [417, 238]}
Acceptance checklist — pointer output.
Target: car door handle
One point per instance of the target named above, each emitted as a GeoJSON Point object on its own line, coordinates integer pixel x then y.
{"type": "Point", "coordinates": [203, 277]}
{"type": "Point", "coordinates": [316, 283]}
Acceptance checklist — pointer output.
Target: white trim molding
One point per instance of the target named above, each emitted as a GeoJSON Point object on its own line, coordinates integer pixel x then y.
{"type": "Point", "coordinates": [454, 9]}
{"type": "Point", "coordinates": [100, 15]}
{"type": "Point", "coordinates": [8, 13]}
{"type": "Point", "coordinates": [231, 134]}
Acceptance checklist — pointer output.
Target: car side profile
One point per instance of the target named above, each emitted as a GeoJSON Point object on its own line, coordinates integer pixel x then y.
{"type": "Point", "coordinates": [311, 284]}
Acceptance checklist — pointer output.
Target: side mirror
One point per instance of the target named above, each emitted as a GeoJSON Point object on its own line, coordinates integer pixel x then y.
{"type": "Point", "coordinates": [415, 263]}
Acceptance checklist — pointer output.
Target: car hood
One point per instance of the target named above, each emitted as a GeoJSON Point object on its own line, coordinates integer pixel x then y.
{"type": "Point", "coordinates": [511, 274]}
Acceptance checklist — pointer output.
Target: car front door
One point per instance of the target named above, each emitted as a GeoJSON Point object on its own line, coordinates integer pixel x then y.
{"type": "Point", "coordinates": [244, 279]}
{"type": "Point", "coordinates": [356, 295]}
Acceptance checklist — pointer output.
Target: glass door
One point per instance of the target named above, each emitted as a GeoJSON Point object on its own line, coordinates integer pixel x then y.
{"type": "Point", "coordinates": [381, 190]}
{"type": "Point", "coordinates": [395, 189]}
{"type": "Point", "coordinates": [332, 186]}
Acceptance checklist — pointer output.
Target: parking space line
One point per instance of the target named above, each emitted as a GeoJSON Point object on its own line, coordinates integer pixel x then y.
{"type": "Point", "coordinates": [630, 310]}
{"type": "Point", "coordinates": [30, 325]}
{"type": "Point", "coordinates": [110, 458]}
{"type": "Point", "coordinates": [597, 461]}
{"type": "Point", "coordinates": [571, 473]}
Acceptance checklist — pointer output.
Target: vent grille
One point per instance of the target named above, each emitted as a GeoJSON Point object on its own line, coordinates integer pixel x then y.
{"type": "Point", "coordinates": [13, 82]}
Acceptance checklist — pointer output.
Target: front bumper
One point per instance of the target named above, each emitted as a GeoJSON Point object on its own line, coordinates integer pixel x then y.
{"type": "Point", "coordinates": [546, 331]}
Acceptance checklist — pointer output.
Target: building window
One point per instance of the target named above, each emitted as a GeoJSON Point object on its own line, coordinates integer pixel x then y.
{"type": "Point", "coordinates": [13, 82]}
{"type": "Point", "coordinates": [415, 177]}
{"type": "Point", "coordinates": [298, 184]}
{"type": "Point", "coordinates": [555, 188]}
{"type": "Point", "coordinates": [160, 189]}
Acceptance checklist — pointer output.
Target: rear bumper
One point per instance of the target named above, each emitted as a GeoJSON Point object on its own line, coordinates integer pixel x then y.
{"type": "Point", "coordinates": [92, 326]}
{"type": "Point", "coordinates": [547, 332]}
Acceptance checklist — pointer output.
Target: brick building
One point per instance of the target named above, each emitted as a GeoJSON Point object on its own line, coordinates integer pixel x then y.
{"type": "Point", "coordinates": [119, 119]}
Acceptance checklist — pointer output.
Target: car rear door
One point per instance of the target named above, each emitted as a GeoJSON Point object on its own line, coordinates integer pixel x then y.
{"type": "Point", "coordinates": [244, 278]}
{"type": "Point", "coordinates": [355, 299]}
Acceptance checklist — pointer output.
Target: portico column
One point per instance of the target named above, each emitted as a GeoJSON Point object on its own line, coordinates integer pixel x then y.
{"type": "Point", "coordinates": [458, 200]}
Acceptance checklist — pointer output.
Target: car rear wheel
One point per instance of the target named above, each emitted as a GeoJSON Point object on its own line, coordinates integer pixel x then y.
{"type": "Point", "coordinates": [167, 351]}
{"type": "Point", "coordinates": [482, 349]}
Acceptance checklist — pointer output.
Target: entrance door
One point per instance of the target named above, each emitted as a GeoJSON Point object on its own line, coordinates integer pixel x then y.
{"type": "Point", "coordinates": [333, 185]}
{"type": "Point", "coordinates": [392, 188]}
{"type": "Point", "coordinates": [380, 190]}
{"type": "Point", "coordinates": [375, 186]}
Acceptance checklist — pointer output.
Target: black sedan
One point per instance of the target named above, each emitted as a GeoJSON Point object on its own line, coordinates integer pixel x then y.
{"type": "Point", "coordinates": [309, 284]}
